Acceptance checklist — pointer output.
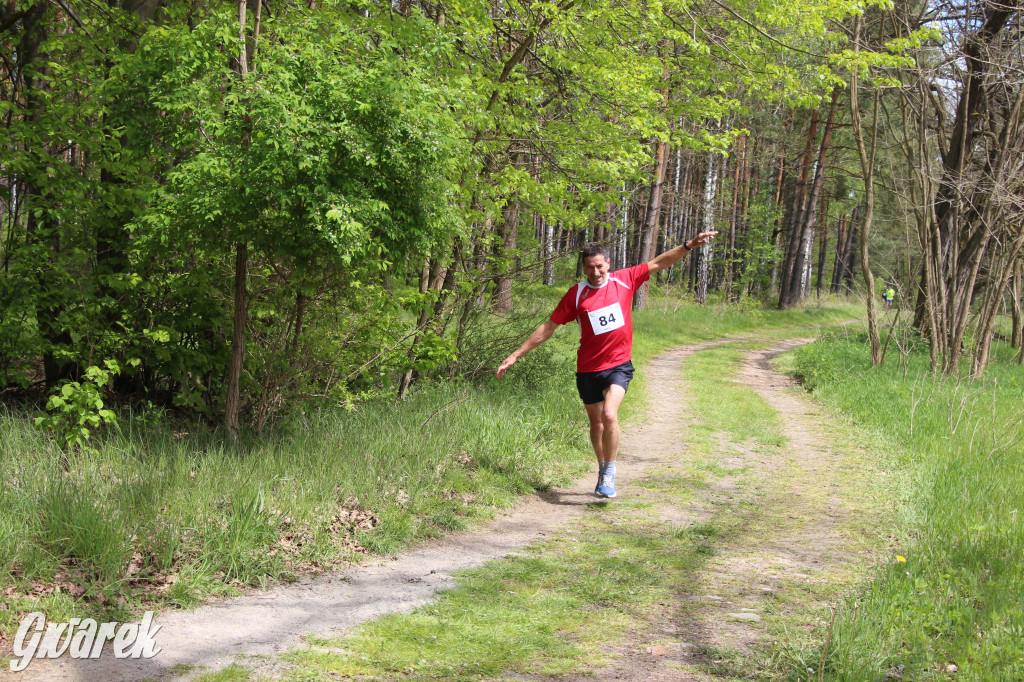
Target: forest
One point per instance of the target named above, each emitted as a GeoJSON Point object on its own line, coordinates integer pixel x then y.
{"type": "Point", "coordinates": [229, 211]}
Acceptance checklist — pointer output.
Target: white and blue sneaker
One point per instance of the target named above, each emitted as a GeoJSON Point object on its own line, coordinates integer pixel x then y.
{"type": "Point", "coordinates": [606, 486]}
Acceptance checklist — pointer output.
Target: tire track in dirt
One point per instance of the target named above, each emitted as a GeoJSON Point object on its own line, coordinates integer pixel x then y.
{"type": "Point", "coordinates": [262, 624]}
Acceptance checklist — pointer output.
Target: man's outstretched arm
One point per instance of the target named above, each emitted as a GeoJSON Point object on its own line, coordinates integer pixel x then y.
{"type": "Point", "coordinates": [542, 334]}
{"type": "Point", "coordinates": [673, 256]}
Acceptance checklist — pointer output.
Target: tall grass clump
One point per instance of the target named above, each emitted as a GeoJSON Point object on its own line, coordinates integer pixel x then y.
{"type": "Point", "coordinates": [949, 595]}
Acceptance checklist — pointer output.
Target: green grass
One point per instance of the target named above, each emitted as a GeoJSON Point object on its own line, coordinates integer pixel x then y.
{"type": "Point", "coordinates": [747, 416]}
{"type": "Point", "coordinates": [955, 600]}
{"type": "Point", "coordinates": [161, 516]}
{"type": "Point", "coordinates": [232, 673]}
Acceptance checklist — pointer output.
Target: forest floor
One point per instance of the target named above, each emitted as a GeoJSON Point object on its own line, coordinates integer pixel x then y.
{"type": "Point", "coordinates": [794, 528]}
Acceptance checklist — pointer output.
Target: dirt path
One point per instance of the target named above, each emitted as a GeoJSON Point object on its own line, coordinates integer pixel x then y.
{"type": "Point", "coordinates": [790, 558]}
{"type": "Point", "coordinates": [265, 623]}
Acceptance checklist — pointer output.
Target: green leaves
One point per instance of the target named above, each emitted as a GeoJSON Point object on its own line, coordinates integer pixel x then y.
{"type": "Point", "coordinates": [77, 408]}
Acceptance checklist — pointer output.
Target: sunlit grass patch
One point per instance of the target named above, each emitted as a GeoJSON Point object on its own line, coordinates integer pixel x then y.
{"type": "Point", "coordinates": [723, 405]}
{"type": "Point", "coordinates": [704, 469]}
{"type": "Point", "coordinates": [670, 486]}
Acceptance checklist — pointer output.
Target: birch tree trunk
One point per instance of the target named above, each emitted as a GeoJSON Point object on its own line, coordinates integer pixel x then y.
{"type": "Point", "coordinates": [676, 219]}
{"type": "Point", "coordinates": [620, 250]}
{"type": "Point", "coordinates": [704, 253]}
{"type": "Point", "coordinates": [822, 249]}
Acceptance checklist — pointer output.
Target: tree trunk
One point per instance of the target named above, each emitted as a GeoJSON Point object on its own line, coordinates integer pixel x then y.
{"type": "Point", "coordinates": [839, 261]}
{"type": "Point", "coordinates": [999, 277]}
{"type": "Point", "coordinates": [232, 401]}
{"type": "Point", "coordinates": [822, 252]}
{"type": "Point", "coordinates": [851, 254]}
{"type": "Point", "coordinates": [795, 220]}
{"type": "Point", "coordinates": [737, 189]}
{"type": "Point", "coordinates": [1017, 318]}
{"type": "Point", "coordinates": [867, 166]}
{"type": "Point", "coordinates": [704, 253]}
{"type": "Point", "coordinates": [649, 234]}
{"type": "Point", "coordinates": [678, 217]}
{"type": "Point", "coordinates": [431, 277]}
{"type": "Point", "coordinates": [549, 251]}
{"type": "Point", "coordinates": [1018, 313]}
{"type": "Point", "coordinates": [773, 279]}
{"type": "Point", "coordinates": [509, 232]}
{"type": "Point", "coordinates": [800, 282]}
{"type": "Point", "coordinates": [620, 249]}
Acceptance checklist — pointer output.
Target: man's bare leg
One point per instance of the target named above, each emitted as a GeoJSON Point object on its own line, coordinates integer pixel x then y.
{"type": "Point", "coordinates": [604, 432]}
{"type": "Point", "coordinates": [613, 396]}
{"type": "Point", "coordinates": [597, 437]}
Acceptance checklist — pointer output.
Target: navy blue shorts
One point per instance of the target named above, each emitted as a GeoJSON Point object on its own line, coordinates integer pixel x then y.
{"type": "Point", "coordinates": [591, 385]}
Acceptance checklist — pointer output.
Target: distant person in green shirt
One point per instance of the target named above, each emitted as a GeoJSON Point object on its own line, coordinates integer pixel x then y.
{"type": "Point", "coordinates": [889, 294]}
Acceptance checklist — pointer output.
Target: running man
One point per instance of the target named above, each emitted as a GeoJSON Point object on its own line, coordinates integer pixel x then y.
{"type": "Point", "coordinates": [602, 305]}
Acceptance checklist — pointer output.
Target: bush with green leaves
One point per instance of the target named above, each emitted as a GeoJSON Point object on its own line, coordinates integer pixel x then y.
{"type": "Point", "coordinates": [77, 409]}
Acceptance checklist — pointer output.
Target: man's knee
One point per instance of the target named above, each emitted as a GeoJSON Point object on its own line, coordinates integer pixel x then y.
{"type": "Point", "coordinates": [609, 416]}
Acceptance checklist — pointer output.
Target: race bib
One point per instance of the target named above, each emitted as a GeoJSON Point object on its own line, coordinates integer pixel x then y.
{"type": "Point", "coordinates": [606, 319]}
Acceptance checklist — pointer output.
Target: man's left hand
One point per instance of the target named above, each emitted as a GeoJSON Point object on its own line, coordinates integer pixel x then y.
{"type": "Point", "coordinates": [702, 239]}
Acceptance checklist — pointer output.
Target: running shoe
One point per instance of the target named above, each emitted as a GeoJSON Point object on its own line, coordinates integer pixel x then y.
{"type": "Point", "coordinates": [607, 486]}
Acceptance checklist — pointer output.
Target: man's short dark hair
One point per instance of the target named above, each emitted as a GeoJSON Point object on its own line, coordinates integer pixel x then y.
{"type": "Point", "coordinates": [594, 249]}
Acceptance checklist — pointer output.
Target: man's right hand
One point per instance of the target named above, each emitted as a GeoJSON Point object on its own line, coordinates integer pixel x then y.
{"type": "Point", "coordinates": [539, 336]}
{"type": "Point", "coordinates": [509, 361]}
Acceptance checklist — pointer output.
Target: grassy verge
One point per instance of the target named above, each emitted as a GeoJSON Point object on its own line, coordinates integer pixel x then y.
{"type": "Point", "coordinates": [947, 599]}
{"type": "Point", "coordinates": [160, 517]}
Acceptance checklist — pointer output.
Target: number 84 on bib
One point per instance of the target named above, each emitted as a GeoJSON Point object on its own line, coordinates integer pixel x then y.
{"type": "Point", "coordinates": [604, 320]}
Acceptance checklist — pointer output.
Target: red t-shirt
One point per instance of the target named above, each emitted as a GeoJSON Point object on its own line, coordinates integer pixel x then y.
{"type": "Point", "coordinates": [604, 314]}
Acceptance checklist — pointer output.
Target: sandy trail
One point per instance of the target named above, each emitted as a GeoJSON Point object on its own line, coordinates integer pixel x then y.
{"type": "Point", "coordinates": [267, 623]}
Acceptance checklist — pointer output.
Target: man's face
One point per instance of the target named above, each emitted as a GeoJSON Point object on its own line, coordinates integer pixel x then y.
{"type": "Point", "coordinates": [596, 269]}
